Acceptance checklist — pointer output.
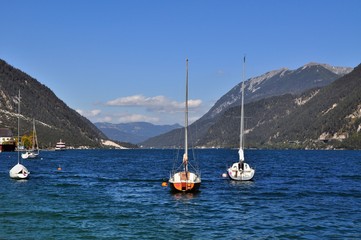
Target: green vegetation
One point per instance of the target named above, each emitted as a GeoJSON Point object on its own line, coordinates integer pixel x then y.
{"type": "Point", "coordinates": [278, 122]}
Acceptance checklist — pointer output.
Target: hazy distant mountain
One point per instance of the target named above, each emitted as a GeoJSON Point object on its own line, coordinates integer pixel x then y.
{"type": "Point", "coordinates": [53, 118]}
{"type": "Point", "coordinates": [133, 132]}
{"type": "Point", "coordinates": [270, 84]}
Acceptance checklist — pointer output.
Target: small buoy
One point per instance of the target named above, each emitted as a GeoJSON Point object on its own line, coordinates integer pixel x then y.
{"type": "Point", "coordinates": [164, 184]}
{"type": "Point", "coordinates": [224, 175]}
{"type": "Point", "coordinates": [59, 168]}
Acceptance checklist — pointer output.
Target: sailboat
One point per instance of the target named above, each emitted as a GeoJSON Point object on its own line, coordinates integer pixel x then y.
{"type": "Point", "coordinates": [241, 171]}
{"type": "Point", "coordinates": [182, 179]}
{"type": "Point", "coordinates": [19, 171]}
{"type": "Point", "coordinates": [34, 152]}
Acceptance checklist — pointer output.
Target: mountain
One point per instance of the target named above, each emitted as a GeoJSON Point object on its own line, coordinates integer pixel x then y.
{"type": "Point", "coordinates": [271, 84]}
{"type": "Point", "coordinates": [279, 82]}
{"type": "Point", "coordinates": [328, 117]}
{"type": "Point", "coordinates": [133, 132]}
{"type": "Point", "coordinates": [53, 118]}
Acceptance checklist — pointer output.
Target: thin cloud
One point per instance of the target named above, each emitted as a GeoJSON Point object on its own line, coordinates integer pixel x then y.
{"type": "Point", "coordinates": [138, 108]}
{"type": "Point", "coordinates": [114, 117]}
{"type": "Point", "coordinates": [89, 114]}
{"type": "Point", "coordinates": [107, 119]}
{"type": "Point", "coordinates": [157, 103]}
{"type": "Point", "coordinates": [220, 72]}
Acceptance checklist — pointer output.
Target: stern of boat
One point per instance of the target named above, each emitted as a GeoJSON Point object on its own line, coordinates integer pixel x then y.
{"type": "Point", "coordinates": [184, 182]}
{"type": "Point", "coordinates": [240, 172]}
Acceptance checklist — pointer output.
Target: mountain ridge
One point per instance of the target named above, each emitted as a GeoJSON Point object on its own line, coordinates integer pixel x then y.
{"type": "Point", "coordinates": [277, 82]}
{"type": "Point", "coordinates": [272, 83]}
{"type": "Point", "coordinates": [330, 117]}
{"type": "Point", "coordinates": [54, 119]}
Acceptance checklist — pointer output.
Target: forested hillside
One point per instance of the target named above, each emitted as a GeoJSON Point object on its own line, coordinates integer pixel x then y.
{"type": "Point", "coordinates": [329, 117]}
{"type": "Point", "coordinates": [53, 118]}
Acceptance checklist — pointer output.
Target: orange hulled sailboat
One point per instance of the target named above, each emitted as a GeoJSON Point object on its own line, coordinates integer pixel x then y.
{"type": "Point", "coordinates": [182, 179]}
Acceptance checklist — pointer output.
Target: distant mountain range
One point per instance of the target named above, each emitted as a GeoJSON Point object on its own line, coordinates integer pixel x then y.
{"type": "Point", "coordinates": [133, 132]}
{"type": "Point", "coordinates": [54, 120]}
{"type": "Point", "coordinates": [276, 101]}
{"type": "Point", "coordinates": [314, 106]}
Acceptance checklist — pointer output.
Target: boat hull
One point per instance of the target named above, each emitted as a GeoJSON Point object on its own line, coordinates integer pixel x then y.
{"type": "Point", "coordinates": [243, 173]}
{"type": "Point", "coordinates": [185, 182]}
{"type": "Point", "coordinates": [19, 171]}
{"type": "Point", "coordinates": [29, 155]}
{"type": "Point", "coordinates": [184, 187]}
{"type": "Point", "coordinates": [59, 148]}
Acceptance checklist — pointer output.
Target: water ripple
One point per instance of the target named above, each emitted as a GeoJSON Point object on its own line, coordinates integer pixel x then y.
{"type": "Point", "coordinates": [111, 194]}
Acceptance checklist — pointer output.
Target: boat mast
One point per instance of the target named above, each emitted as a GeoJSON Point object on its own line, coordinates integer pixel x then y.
{"type": "Point", "coordinates": [35, 138]}
{"type": "Point", "coordinates": [19, 128]}
{"type": "Point", "coordinates": [33, 147]}
{"type": "Point", "coordinates": [185, 156]}
{"type": "Point", "coordinates": [241, 131]}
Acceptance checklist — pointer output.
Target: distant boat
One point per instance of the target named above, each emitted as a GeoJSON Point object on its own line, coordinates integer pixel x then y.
{"type": "Point", "coordinates": [7, 140]}
{"type": "Point", "coordinates": [181, 179]}
{"type": "Point", "coordinates": [241, 171]}
{"type": "Point", "coordinates": [60, 146]}
{"type": "Point", "coordinates": [19, 171]}
{"type": "Point", "coordinates": [34, 152]}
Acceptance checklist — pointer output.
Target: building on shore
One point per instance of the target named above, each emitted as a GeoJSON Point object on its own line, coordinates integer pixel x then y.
{"type": "Point", "coordinates": [7, 140]}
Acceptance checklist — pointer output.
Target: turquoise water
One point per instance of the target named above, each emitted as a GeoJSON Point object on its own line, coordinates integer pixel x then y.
{"type": "Point", "coordinates": [117, 194]}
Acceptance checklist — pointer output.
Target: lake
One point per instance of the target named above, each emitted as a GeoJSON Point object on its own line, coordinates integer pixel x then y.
{"type": "Point", "coordinates": [117, 194]}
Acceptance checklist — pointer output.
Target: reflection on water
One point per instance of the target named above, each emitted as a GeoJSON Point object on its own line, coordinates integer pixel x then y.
{"type": "Point", "coordinates": [20, 180]}
{"type": "Point", "coordinates": [184, 196]}
{"type": "Point", "coordinates": [242, 183]}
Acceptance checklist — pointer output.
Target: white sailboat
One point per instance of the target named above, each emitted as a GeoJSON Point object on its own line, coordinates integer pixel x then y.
{"type": "Point", "coordinates": [19, 171]}
{"type": "Point", "coordinates": [182, 179]}
{"type": "Point", "coordinates": [241, 171]}
{"type": "Point", "coordinates": [34, 152]}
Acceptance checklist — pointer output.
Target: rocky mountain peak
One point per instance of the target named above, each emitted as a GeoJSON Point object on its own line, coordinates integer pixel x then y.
{"type": "Point", "coordinates": [256, 81]}
{"type": "Point", "coordinates": [335, 69]}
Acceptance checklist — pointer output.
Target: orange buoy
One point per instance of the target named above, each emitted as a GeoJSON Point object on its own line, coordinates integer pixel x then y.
{"type": "Point", "coordinates": [164, 184]}
{"type": "Point", "coordinates": [59, 168]}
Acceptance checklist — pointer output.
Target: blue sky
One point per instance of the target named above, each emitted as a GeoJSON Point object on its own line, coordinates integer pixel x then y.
{"type": "Point", "coordinates": [124, 60]}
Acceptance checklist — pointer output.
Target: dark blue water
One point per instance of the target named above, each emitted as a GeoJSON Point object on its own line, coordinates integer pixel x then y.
{"type": "Point", "coordinates": [117, 194]}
